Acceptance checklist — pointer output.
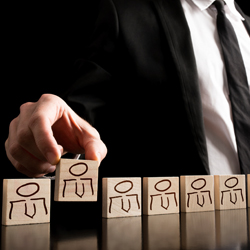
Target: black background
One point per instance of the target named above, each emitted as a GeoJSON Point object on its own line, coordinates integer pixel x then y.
{"type": "Point", "coordinates": [40, 43]}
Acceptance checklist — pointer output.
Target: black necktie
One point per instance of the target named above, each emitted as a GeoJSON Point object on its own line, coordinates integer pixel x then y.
{"type": "Point", "coordinates": [239, 93]}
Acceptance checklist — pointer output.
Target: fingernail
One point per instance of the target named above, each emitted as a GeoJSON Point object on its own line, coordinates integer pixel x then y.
{"type": "Point", "coordinates": [52, 158]}
{"type": "Point", "coordinates": [52, 169]}
{"type": "Point", "coordinates": [98, 156]}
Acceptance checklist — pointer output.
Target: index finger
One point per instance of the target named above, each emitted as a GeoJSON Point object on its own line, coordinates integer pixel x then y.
{"type": "Point", "coordinates": [47, 112]}
{"type": "Point", "coordinates": [45, 141]}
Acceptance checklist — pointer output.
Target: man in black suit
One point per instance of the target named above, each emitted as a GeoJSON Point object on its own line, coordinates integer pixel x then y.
{"type": "Point", "coordinates": [144, 88]}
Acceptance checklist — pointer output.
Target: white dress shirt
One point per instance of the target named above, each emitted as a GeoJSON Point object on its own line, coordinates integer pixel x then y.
{"type": "Point", "coordinates": [220, 137]}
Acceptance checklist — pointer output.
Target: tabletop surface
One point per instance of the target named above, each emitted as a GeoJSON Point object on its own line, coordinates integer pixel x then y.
{"type": "Point", "coordinates": [80, 226]}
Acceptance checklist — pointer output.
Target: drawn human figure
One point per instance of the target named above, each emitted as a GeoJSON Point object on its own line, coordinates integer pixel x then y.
{"type": "Point", "coordinates": [198, 185]}
{"type": "Point", "coordinates": [78, 181]}
{"type": "Point", "coordinates": [162, 194]}
{"type": "Point", "coordinates": [231, 183]}
{"type": "Point", "coordinates": [28, 211]}
{"type": "Point", "coordinates": [124, 198]}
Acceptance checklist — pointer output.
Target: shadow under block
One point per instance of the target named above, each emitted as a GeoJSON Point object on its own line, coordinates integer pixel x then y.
{"type": "Point", "coordinates": [230, 192]}
{"type": "Point", "coordinates": [121, 197]}
{"type": "Point", "coordinates": [231, 228]}
{"type": "Point", "coordinates": [160, 195]}
{"type": "Point", "coordinates": [161, 232]}
{"type": "Point", "coordinates": [197, 193]}
{"type": "Point", "coordinates": [122, 233]}
{"type": "Point", "coordinates": [198, 230]}
{"type": "Point", "coordinates": [28, 237]}
{"type": "Point", "coordinates": [76, 180]}
{"type": "Point", "coordinates": [26, 201]}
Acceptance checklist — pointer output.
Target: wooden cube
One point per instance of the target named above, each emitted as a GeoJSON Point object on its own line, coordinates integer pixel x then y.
{"type": "Point", "coordinates": [230, 192]}
{"type": "Point", "coordinates": [197, 193]}
{"type": "Point", "coordinates": [121, 197]}
{"type": "Point", "coordinates": [160, 195]}
{"type": "Point", "coordinates": [76, 180]}
{"type": "Point", "coordinates": [26, 201]}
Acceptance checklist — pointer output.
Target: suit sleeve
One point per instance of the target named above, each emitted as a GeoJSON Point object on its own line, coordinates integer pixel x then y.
{"type": "Point", "coordinates": [93, 74]}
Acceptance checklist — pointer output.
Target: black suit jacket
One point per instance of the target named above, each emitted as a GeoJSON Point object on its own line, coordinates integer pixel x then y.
{"type": "Point", "coordinates": [139, 88]}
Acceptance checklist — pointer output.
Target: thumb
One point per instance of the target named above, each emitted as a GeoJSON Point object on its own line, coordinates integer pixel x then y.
{"type": "Point", "coordinates": [95, 150]}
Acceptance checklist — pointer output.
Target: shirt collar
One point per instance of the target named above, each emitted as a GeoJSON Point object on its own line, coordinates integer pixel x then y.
{"type": "Point", "coordinates": [204, 4]}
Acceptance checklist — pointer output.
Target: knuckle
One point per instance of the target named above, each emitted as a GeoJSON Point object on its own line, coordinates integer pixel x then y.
{"type": "Point", "coordinates": [13, 126]}
{"type": "Point", "coordinates": [13, 123]}
{"type": "Point", "coordinates": [35, 119]}
{"type": "Point", "coordinates": [105, 149]}
{"type": "Point", "coordinates": [13, 149]}
{"type": "Point", "coordinates": [93, 133]}
{"type": "Point", "coordinates": [45, 97]}
{"type": "Point", "coordinates": [6, 144]}
{"type": "Point", "coordinates": [48, 98]}
{"type": "Point", "coordinates": [23, 136]}
{"type": "Point", "coordinates": [24, 107]}
{"type": "Point", "coordinates": [96, 134]}
{"type": "Point", "coordinates": [19, 167]}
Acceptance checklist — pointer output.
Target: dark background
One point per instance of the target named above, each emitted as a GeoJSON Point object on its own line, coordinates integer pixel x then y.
{"type": "Point", "coordinates": [40, 43]}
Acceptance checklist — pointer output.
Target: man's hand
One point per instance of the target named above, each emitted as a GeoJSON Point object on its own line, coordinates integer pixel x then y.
{"type": "Point", "coordinates": [44, 131]}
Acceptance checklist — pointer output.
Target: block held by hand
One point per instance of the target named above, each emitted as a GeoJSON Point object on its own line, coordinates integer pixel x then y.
{"type": "Point", "coordinates": [76, 180]}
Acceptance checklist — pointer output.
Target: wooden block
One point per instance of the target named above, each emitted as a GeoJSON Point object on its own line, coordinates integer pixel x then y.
{"type": "Point", "coordinates": [230, 191]}
{"type": "Point", "coordinates": [248, 190]}
{"type": "Point", "coordinates": [76, 180]}
{"type": "Point", "coordinates": [160, 195]}
{"type": "Point", "coordinates": [26, 201]}
{"type": "Point", "coordinates": [197, 193]}
{"type": "Point", "coordinates": [121, 197]}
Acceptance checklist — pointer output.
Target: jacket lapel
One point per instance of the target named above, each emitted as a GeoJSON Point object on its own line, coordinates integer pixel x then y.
{"type": "Point", "coordinates": [247, 18]}
{"type": "Point", "coordinates": [178, 36]}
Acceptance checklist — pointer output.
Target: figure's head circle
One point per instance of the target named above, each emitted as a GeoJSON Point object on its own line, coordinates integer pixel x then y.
{"type": "Point", "coordinates": [83, 169]}
{"type": "Point", "coordinates": [123, 187]}
{"type": "Point", "coordinates": [228, 185]}
{"type": "Point", "coordinates": [198, 184]}
{"type": "Point", "coordinates": [22, 191]}
{"type": "Point", "coordinates": [167, 184]}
